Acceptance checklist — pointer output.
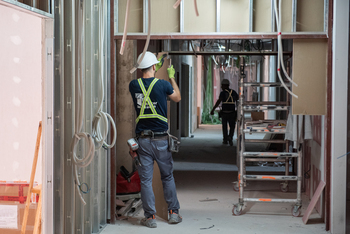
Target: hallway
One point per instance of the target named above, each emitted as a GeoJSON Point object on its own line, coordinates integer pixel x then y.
{"type": "Point", "coordinates": [204, 170]}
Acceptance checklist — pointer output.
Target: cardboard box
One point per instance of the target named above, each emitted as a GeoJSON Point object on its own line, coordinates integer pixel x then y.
{"type": "Point", "coordinates": [11, 217]}
{"type": "Point", "coordinates": [16, 191]}
{"type": "Point", "coordinates": [256, 116]}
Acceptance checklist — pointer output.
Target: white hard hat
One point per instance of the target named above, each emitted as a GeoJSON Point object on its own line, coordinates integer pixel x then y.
{"type": "Point", "coordinates": [147, 61]}
{"type": "Point", "coordinates": [225, 82]}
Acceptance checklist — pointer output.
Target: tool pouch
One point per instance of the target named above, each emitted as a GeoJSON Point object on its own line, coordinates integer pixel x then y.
{"type": "Point", "coordinates": [174, 144]}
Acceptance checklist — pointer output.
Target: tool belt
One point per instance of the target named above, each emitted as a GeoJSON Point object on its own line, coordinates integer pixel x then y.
{"type": "Point", "coordinates": [149, 133]}
{"type": "Point", "coordinates": [173, 142]}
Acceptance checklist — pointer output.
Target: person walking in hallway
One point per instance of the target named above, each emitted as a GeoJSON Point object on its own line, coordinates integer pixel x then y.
{"type": "Point", "coordinates": [149, 95]}
{"type": "Point", "coordinates": [228, 97]}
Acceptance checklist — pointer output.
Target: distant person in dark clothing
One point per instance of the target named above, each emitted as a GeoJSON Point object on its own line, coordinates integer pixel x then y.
{"type": "Point", "coordinates": [228, 97]}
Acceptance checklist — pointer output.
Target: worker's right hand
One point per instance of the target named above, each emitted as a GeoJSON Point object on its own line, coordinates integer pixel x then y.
{"type": "Point", "coordinates": [212, 112]}
{"type": "Point", "coordinates": [171, 72]}
{"type": "Point", "coordinates": [133, 154]}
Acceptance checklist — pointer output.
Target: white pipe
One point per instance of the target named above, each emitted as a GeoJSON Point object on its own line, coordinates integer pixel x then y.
{"type": "Point", "coordinates": [147, 40]}
{"type": "Point", "coordinates": [280, 49]}
{"type": "Point", "coordinates": [125, 27]}
{"type": "Point", "coordinates": [100, 135]}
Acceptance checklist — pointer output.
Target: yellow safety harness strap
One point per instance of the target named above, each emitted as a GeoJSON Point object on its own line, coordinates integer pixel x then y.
{"type": "Point", "coordinates": [146, 99]}
{"type": "Point", "coordinates": [230, 96]}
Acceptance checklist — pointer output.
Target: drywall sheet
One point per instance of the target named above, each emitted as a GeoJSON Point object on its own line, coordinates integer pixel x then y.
{"type": "Point", "coordinates": [20, 93]}
{"type": "Point", "coordinates": [206, 20]}
{"type": "Point", "coordinates": [287, 15]}
{"type": "Point", "coordinates": [234, 16]}
{"type": "Point", "coordinates": [165, 19]}
{"type": "Point", "coordinates": [309, 72]}
{"type": "Point", "coordinates": [135, 22]}
{"type": "Point", "coordinates": [310, 17]}
{"type": "Point", "coordinates": [262, 16]}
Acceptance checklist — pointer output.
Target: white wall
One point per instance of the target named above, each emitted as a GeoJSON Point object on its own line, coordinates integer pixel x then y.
{"type": "Point", "coordinates": [20, 93]}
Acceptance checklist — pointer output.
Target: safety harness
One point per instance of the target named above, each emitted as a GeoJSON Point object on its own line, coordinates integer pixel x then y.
{"type": "Point", "coordinates": [146, 99]}
{"type": "Point", "coordinates": [229, 97]}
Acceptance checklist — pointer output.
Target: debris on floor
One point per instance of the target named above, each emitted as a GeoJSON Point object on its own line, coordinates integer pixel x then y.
{"type": "Point", "coordinates": [207, 227]}
{"type": "Point", "coordinates": [207, 200]}
{"type": "Point", "coordinates": [128, 205]}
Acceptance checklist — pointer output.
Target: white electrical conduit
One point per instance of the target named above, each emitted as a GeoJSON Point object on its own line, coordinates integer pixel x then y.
{"type": "Point", "coordinates": [177, 3]}
{"type": "Point", "coordinates": [280, 50]}
{"type": "Point", "coordinates": [125, 27]}
{"type": "Point", "coordinates": [100, 136]}
{"type": "Point", "coordinates": [147, 40]}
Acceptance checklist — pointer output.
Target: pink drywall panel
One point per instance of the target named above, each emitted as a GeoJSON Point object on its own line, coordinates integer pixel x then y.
{"type": "Point", "coordinates": [20, 92]}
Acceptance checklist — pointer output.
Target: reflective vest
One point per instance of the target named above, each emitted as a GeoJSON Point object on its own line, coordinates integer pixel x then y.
{"type": "Point", "coordinates": [147, 100]}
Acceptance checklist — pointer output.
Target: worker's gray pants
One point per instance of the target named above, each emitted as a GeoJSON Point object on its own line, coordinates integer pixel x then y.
{"type": "Point", "coordinates": [151, 149]}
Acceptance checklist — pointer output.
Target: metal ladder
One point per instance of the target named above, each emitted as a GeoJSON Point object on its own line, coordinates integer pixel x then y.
{"type": "Point", "coordinates": [245, 156]}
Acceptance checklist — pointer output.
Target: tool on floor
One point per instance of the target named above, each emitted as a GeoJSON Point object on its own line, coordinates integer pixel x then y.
{"type": "Point", "coordinates": [133, 145]}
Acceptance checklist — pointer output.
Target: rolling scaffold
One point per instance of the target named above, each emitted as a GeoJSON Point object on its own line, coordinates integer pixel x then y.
{"type": "Point", "coordinates": [245, 156]}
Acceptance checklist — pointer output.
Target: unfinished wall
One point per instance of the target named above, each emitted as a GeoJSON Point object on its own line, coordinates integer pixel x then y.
{"type": "Point", "coordinates": [234, 16]}
{"type": "Point", "coordinates": [309, 72]}
{"type": "Point", "coordinates": [20, 92]}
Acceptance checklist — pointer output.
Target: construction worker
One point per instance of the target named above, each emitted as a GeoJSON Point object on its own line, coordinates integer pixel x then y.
{"type": "Point", "coordinates": [228, 97]}
{"type": "Point", "coordinates": [150, 101]}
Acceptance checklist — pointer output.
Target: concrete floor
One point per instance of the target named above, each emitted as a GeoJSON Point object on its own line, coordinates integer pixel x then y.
{"type": "Point", "coordinates": [204, 170]}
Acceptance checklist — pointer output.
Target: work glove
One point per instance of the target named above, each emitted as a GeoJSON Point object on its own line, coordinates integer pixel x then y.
{"type": "Point", "coordinates": [171, 72]}
{"type": "Point", "coordinates": [161, 61]}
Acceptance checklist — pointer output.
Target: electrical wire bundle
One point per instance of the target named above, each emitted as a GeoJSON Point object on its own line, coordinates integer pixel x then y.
{"type": "Point", "coordinates": [100, 125]}
{"type": "Point", "coordinates": [99, 129]}
{"type": "Point", "coordinates": [280, 49]}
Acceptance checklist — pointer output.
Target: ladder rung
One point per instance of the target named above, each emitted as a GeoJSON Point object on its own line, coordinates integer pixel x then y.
{"type": "Point", "coordinates": [265, 141]}
{"type": "Point", "coordinates": [266, 103]}
{"type": "Point", "coordinates": [270, 154]}
{"type": "Point", "coordinates": [264, 160]}
{"type": "Point", "coordinates": [274, 131]}
{"type": "Point", "coordinates": [263, 107]}
{"type": "Point", "coordinates": [264, 84]}
{"type": "Point", "coordinates": [270, 200]}
{"type": "Point", "coordinates": [37, 189]}
{"type": "Point", "coordinates": [268, 177]}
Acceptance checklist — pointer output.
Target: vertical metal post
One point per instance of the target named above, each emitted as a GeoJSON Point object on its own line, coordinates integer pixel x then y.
{"type": "Point", "coordinates": [115, 22]}
{"type": "Point", "coordinates": [325, 9]}
{"type": "Point", "coordinates": [273, 19]}
{"type": "Point", "coordinates": [112, 173]}
{"type": "Point", "coordinates": [241, 142]}
{"type": "Point", "coordinates": [182, 17]}
{"type": "Point", "coordinates": [294, 16]}
{"type": "Point", "coordinates": [251, 15]}
{"type": "Point", "coordinates": [218, 8]}
{"type": "Point", "coordinates": [145, 16]}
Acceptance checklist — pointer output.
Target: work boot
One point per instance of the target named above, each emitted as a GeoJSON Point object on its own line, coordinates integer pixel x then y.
{"type": "Point", "coordinates": [174, 218]}
{"type": "Point", "coordinates": [149, 222]}
{"type": "Point", "coordinates": [230, 141]}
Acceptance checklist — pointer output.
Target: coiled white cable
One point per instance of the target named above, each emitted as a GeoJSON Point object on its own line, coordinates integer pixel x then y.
{"type": "Point", "coordinates": [280, 49]}
{"type": "Point", "coordinates": [100, 124]}
{"type": "Point", "coordinates": [86, 159]}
